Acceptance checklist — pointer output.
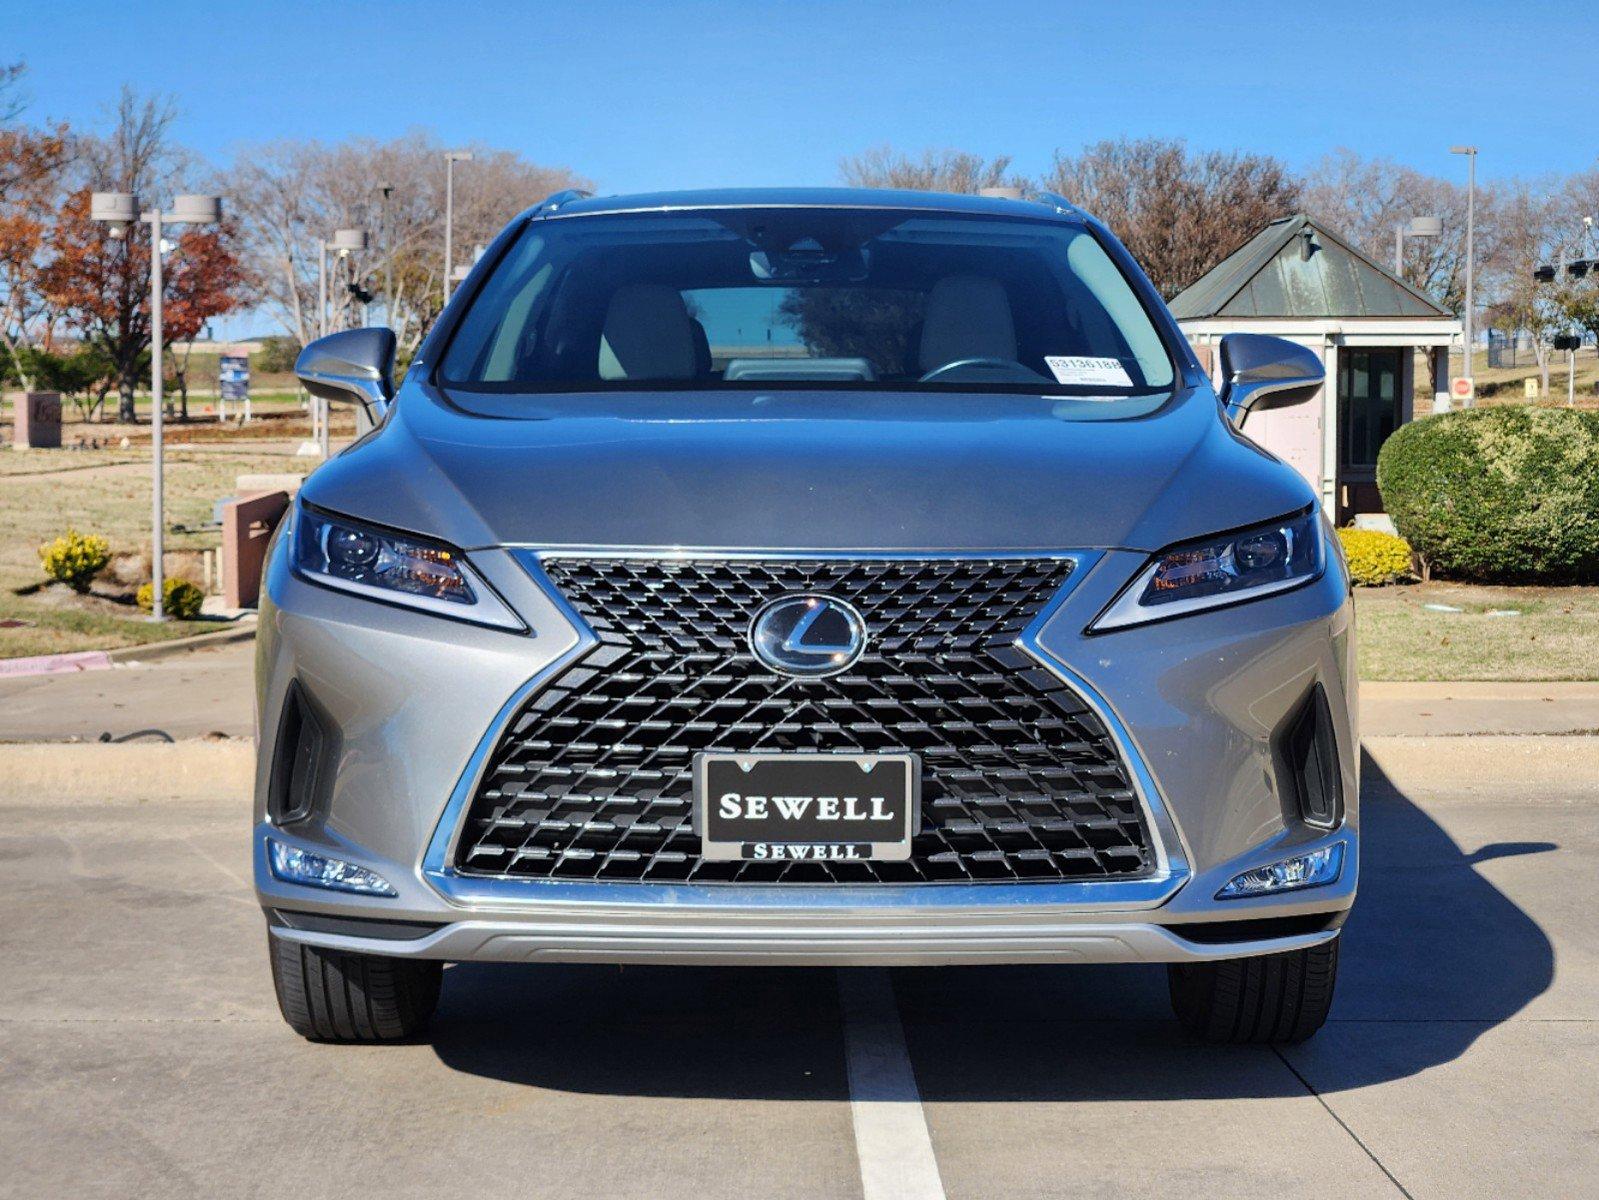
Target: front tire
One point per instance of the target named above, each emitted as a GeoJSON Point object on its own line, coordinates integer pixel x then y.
{"type": "Point", "coordinates": [335, 996]}
{"type": "Point", "coordinates": [1270, 998]}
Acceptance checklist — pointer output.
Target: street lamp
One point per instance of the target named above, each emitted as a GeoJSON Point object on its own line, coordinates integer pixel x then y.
{"type": "Point", "coordinates": [1471, 212]}
{"type": "Point", "coordinates": [117, 210]}
{"type": "Point", "coordinates": [388, 255]}
{"type": "Point", "coordinates": [344, 243]}
{"type": "Point", "coordinates": [451, 157]}
{"type": "Point", "coordinates": [1418, 227]}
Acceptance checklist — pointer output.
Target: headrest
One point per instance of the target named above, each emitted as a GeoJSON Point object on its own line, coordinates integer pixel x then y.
{"type": "Point", "coordinates": [648, 334]}
{"type": "Point", "coordinates": [968, 316]}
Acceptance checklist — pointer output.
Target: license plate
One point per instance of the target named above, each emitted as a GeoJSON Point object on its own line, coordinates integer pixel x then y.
{"type": "Point", "coordinates": [796, 807]}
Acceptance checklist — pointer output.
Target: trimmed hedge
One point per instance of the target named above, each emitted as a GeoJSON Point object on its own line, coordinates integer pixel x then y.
{"type": "Point", "coordinates": [1375, 558]}
{"type": "Point", "coordinates": [1500, 495]}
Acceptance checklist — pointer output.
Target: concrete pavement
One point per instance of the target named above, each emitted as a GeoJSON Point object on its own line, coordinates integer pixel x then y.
{"type": "Point", "coordinates": [1475, 708]}
{"type": "Point", "coordinates": [140, 1052]}
{"type": "Point", "coordinates": [185, 695]}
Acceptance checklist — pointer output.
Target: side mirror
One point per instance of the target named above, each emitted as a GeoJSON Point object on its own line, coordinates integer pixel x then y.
{"type": "Point", "coordinates": [352, 367]}
{"type": "Point", "coordinates": [1261, 372]}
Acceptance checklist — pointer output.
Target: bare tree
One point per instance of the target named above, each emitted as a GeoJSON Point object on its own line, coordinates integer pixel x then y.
{"type": "Point", "coordinates": [934, 171]}
{"type": "Point", "coordinates": [1366, 199]}
{"type": "Point", "coordinates": [1533, 224]}
{"type": "Point", "coordinates": [1178, 212]}
{"type": "Point", "coordinates": [293, 195]}
{"type": "Point", "coordinates": [1580, 297]}
{"type": "Point", "coordinates": [12, 101]}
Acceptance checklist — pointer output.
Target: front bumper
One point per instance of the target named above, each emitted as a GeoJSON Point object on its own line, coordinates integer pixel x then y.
{"type": "Point", "coordinates": [1197, 704]}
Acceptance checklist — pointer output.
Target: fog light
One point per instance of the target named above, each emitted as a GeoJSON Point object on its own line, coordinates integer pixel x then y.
{"type": "Point", "coordinates": [1302, 871]}
{"type": "Point", "coordinates": [293, 865]}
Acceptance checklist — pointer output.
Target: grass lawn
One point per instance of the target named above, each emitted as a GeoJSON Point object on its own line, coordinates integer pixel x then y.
{"type": "Point", "coordinates": [105, 491]}
{"type": "Point", "coordinates": [1555, 635]}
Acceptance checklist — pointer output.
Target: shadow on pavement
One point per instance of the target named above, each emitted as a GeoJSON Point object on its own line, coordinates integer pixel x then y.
{"type": "Point", "coordinates": [1431, 940]}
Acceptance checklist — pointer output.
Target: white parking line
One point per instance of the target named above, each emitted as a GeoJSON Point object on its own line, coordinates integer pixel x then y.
{"type": "Point", "coordinates": [891, 1141]}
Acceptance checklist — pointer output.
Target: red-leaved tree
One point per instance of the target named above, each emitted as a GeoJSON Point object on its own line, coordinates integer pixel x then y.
{"type": "Point", "coordinates": [101, 287]}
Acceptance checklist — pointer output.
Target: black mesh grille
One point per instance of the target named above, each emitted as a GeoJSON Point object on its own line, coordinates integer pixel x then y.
{"type": "Point", "coordinates": [592, 779]}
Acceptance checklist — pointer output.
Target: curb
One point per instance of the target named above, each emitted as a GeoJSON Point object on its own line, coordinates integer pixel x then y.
{"type": "Point", "coordinates": [102, 660]}
{"type": "Point", "coordinates": [244, 632]}
{"type": "Point", "coordinates": [89, 773]}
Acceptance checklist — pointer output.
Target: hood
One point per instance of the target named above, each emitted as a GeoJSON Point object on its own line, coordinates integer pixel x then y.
{"type": "Point", "coordinates": [800, 470]}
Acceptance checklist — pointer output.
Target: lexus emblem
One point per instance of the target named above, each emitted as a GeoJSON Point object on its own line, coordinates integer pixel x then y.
{"type": "Point", "coordinates": [808, 636]}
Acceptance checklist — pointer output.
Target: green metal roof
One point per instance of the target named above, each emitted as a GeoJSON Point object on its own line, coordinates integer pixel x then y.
{"type": "Point", "coordinates": [1296, 268]}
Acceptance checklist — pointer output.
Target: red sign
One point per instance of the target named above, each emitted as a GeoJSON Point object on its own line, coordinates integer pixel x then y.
{"type": "Point", "coordinates": [1462, 388]}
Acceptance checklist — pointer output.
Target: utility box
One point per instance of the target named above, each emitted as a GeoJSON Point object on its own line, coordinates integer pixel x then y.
{"type": "Point", "coordinates": [37, 423]}
{"type": "Point", "coordinates": [247, 525]}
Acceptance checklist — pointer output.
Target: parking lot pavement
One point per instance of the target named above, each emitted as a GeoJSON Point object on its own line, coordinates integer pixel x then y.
{"type": "Point", "coordinates": [141, 1053]}
{"type": "Point", "coordinates": [185, 696]}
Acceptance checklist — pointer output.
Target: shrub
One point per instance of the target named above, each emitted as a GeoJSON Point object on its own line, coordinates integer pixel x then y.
{"type": "Point", "coordinates": [75, 558]}
{"type": "Point", "coordinates": [1500, 495]}
{"type": "Point", "coordinates": [277, 355]}
{"type": "Point", "coordinates": [1375, 558]}
{"type": "Point", "coordinates": [180, 598]}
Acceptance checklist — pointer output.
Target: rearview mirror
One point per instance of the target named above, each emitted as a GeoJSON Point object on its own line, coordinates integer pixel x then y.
{"type": "Point", "coordinates": [1260, 372]}
{"type": "Point", "coordinates": [352, 367]}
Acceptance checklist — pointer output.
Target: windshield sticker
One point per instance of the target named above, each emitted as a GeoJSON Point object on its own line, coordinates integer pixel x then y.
{"type": "Point", "coordinates": [1095, 372]}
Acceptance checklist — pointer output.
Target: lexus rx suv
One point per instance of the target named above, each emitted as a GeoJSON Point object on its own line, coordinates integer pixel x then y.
{"type": "Point", "coordinates": [806, 577]}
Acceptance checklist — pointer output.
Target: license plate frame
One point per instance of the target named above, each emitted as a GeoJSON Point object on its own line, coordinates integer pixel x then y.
{"type": "Point", "coordinates": [861, 832]}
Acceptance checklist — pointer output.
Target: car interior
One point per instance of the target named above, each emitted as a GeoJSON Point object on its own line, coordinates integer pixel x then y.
{"type": "Point", "coordinates": [797, 301]}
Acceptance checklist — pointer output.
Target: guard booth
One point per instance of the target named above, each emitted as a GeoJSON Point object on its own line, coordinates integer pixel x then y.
{"type": "Point", "coordinates": [1385, 346]}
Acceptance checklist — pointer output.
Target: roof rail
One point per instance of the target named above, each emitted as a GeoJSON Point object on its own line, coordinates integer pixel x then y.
{"type": "Point", "coordinates": [554, 201]}
{"type": "Point", "coordinates": [1059, 203]}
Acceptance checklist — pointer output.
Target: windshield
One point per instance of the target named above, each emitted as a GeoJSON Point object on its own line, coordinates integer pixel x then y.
{"type": "Point", "coordinates": [811, 298]}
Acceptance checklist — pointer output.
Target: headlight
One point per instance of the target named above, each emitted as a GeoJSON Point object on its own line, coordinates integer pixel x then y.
{"type": "Point", "coordinates": [1223, 570]}
{"type": "Point", "coordinates": [396, 568]}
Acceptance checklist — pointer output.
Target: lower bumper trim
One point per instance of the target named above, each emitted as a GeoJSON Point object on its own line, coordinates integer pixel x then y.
{"type": "Point", "coordinates": [358, 927]}
{"type": "Point", "coordinates": [807, 944]}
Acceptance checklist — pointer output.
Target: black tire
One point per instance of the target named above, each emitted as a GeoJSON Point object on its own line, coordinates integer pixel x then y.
{"type": "Point", "coordinates": [1281, 998]}
{"type": "Point", "coordinates": [333, 996]}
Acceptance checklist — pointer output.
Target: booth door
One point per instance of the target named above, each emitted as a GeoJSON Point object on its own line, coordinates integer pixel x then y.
{"type": "Point", "coordinates": [1370, 408]}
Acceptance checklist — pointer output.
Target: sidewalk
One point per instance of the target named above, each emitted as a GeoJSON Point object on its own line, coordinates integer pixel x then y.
{"type": "Point", "coordinates": [184, 695]}
{"type": "Point", "coordinates": [1456, 709]}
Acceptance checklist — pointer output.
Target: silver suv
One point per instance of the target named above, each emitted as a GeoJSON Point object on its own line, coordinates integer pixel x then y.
{"type": "Point", "coordinates": [806, 577]}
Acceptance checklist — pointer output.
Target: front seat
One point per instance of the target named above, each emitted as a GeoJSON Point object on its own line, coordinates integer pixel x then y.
{"type": "Point", "coordinates": [648, 334]}
{"type": "Point", "coordinates": [968, 316]}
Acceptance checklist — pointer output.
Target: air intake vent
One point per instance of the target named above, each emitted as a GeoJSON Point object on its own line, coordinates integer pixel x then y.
{"type": "Point", "coordinates": [1310, 754]}
{"type": "Point", "coordinates": [296, 760]}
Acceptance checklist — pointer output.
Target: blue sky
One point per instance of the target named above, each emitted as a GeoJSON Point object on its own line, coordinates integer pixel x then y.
{"type": "Point", "coordinates": [641, 96]}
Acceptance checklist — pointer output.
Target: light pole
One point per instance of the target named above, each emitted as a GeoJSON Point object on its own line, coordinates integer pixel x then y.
{"type": "Point", "coordinates": [1418, 227]}
{"type": "Point", "coordinates": [344, 242]}
{"type": "Point", "coordinates": [388, 257]}
{"type": "Point", "coordinates": [1471, 213]}
{"type": "Point", "coordinates": [117, 210]}
{"type": "Point", "coordinates": [451, 157]}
